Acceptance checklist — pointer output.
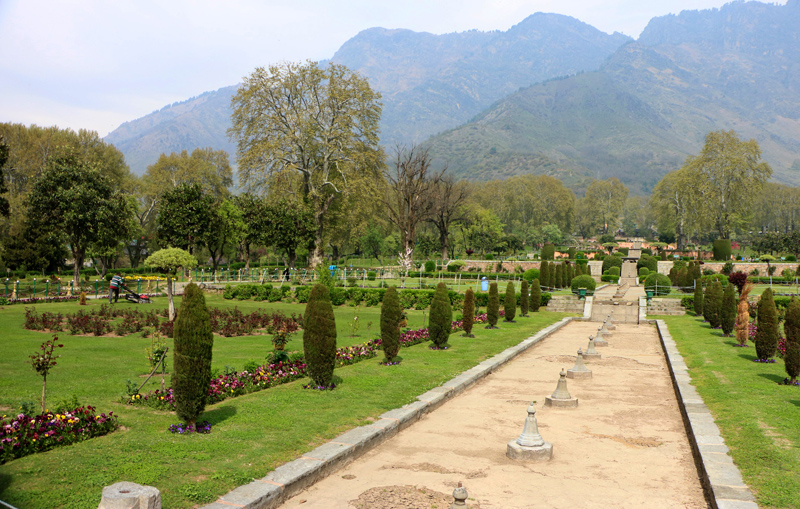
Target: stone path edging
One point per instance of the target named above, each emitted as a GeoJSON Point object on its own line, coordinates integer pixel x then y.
{"type": "Point", "coordinates": [290, 478]}
{"type": "Point", "coordinates": [721, 479]}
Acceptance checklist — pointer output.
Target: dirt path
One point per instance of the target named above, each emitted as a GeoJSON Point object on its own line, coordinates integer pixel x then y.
{"type": "Point", "coordinates": [624, 446]}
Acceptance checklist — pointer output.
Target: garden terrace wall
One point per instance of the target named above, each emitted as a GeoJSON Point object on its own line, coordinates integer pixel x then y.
{"type": "Point", "coordinates": [746, 267]}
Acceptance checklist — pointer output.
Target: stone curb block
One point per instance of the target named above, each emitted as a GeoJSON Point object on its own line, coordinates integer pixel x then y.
{"type": "Point", "coordinates": [721, 479]}
{"type": "Point", "coordinates": [291, 478]}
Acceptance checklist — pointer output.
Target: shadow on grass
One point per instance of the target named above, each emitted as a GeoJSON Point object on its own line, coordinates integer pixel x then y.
{"type": "Point", "coordinates": [747, 357]}
{"type": "Point", "coordinates": [220, 414]}
{"type": "Point", "coordinates": [5, 482]}
{"type": "Point", "coordinates": [795, 402]}
{"type": "Point", "coordinates": [772, 378]}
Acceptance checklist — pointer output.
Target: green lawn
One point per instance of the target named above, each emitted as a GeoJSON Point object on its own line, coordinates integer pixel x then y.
{"type": "Point", "coordinates": [251, 435]}
{"type": "Point", "coordinates": [759, 419]}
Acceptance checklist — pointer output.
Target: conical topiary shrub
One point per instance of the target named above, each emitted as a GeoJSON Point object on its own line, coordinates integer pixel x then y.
{"type": "Point", "coordinates": [544, 273]}
{"type": "Point", "coordinates": [713, 304]}
{"type": "Point", "coordinates": [441, 318]}
{"type": "Point", "coordinates": [553, 274]}
{"type": "Point", "coordinates": [468, 311]}
{"type": "Point", "coordinates": [536, 296]}
{"type": "Point", "coordinates": [194, 342]}
{"type": "Point", "coordinates": [319, 337]}
{"type": "Point", "coordinates": [728, 310]}
{"type": "Point", "coordinates": [390, 324]}
{"type": "Point", "coordinates": [559, 279]}
{"type": "Point", "coordinates": [510, 303]}
{"type": "Point", "coordinates": [743, 315]}
{"type": "Point", "coordinates": [524, 298]}
{"type": "Point", "coordinates": [767, 333]}
{"type": "Point", "coordinates": [791, 327]}
{"type": "Point", "coordinates": [698, 297]}
{"type": "Point", "coordinates": [493, 307]}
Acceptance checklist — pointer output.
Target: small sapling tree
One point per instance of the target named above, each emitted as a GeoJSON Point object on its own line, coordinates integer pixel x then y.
{"type": "Point", "coordinates": [319, 337]}
{"type": "Point", "coordinates": [170, 260]}
{"type": "Point", "coordinates": [44, 360]}
{"type": "Point", "coordinates": [468, 312]}
{"type": "Point", "coordinates": [390, 324]}
{"type": "Point", "coordinates": [441, 318]}
{"type": "Point", "coordinates": [194, 343]}
{"type": "Point", "coordinates": [510, 303]}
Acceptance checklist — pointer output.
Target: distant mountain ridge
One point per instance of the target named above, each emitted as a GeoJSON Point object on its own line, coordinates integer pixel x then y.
{"type": "Point", "coordinates": [429, 82]}
{"type": "Point", "coordinates": [651, 103]}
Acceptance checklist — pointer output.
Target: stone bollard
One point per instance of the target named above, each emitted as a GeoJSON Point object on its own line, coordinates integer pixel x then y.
{"type": "Point", "coordinates": [606, 332]}
{"type": "Point", "coordinates": [610, 325]}
{"type": "Point", "coordinates": [599, 340]}
{"type": "Point", "coordinates": [579, 371]}
{"type": "Point", "coordinates": [128, 495]}
{"type": "Point", "coordinates": [460, 495]}
{"type": "Point", "coordinates": [530, 446]}
{"type": "Point", "coordinates": [591, 354]}
{"type": "Point", "coordinates": [561, 398]}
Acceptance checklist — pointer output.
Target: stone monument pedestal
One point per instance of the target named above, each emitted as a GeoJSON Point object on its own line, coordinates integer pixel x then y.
{"type": "Point", "coordinates": [129, 495]}
{"type": "Point", "coordinates": [518, 452]}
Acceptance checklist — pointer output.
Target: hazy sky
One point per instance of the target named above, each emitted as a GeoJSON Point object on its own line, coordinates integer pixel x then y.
{"type": "Point", "coordinates": [97, 63]}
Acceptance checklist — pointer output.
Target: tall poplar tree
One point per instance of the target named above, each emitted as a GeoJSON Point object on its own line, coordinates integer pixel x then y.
{"type": "Point", "coordinates": [767, 333]}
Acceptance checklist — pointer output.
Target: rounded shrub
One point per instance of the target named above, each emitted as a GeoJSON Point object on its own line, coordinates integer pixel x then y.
{"type": "Point", "coordinates": [583, 281]}
{"type": "Point", "coordinates": [548, 251]}
{"type": "Point", "coordinates": [648, 261]}
{"type": "Point", "coordinates": [536, 296]}
{"type": "Point", "coordinates": [722, 249]}
{"type": "Point", "coordinates": [194, 343]}
{"type": "Point", "coordinates": [371, 275]}
{"type": "Point", "coordinates": [510, 303]}
{"type": "Point", "coordinates": [493, 306]}
{"type": "Point", "coordinates": [659, 283]}
{"type": "Point", "coordinates": [468, 311]}
{"type": "Point", "coordinates": [390, 323]}
{"type": "Point", "coordinates": [644, 271]}
{"type": "Point", "coordinates": [524, 297]}
{"type": "Point", "coordinates": [319, 336]}
{"type": "Point", "coordinates": [611, 261]}
{"type": "Point", "coordinates": [455, 266]}
{"type": "Point", "coordinates": [530, 274]}
{"type": "Point", "coordinates": [767, 333]}
{"type": "Point", "coordinates": [441, 317]}
{"type": "Point", "coordinates": [613, 271]}
{"type": "Point", "coordinates": [430, 266]}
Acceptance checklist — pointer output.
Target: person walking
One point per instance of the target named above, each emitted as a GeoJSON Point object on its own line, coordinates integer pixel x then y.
{"type": "Point", "coordinates": [116, 283]}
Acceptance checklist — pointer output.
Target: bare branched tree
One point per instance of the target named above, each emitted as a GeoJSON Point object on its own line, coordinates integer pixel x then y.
{"type": "Point", "coordinates": [448, 209]}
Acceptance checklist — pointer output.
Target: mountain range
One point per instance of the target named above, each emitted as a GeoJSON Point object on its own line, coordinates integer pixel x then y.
{"type": "Point", "coordinates": [554, 95]}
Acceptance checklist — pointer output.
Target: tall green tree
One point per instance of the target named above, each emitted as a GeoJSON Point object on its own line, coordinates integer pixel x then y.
{"type": "Point", "coordinates": [536, 296]}
{"type": "Point", "coordinates": [194, 343]}
{"type": "Point", "coordinates": [728, 310]}
{"type": "Point", "coordinates": [319, 336]}
{"type": "Point", "coordinates": [75, 201]}
{"type": "Point", "coordinates": [390, 324]}
{"type": "Point", "coordinates": [185, 217]}
{"type": "Point", "coordinates": [320, 123]}
{"type": "Point", "coordinates": [791, 328]}
{"type": "Point", "coordinates": [698, 297]}
{"type": "Point", "coordinates": [493, 307]}
{"type": "Point", "coordinates": [4, 207]}
{"type": "Point", "coordinates": [441, 317]}
{"type": "Point", "coordinates": [767, 333]}
{"type": "Point", "coordinates": [510, 303]}
{"type": "Point", "coordinates": [524, 298]}
{"type": "Point", "coordinates": [226, 229]}
{"type": "Point", "coordinates": [605, 200]}
{"type": "Point", "coordinates": [208, 168]}
{"type": "Point", "coordinates": [289, 226]}
{"type": "Point", "coordinates": [727, 176]}
{"type": "Point", "coordinates": [468, 312]}
{"type": "Point", "coordinates": [254, 219]}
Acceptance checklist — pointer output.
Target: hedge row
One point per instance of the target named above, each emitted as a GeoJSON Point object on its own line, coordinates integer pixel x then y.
{"type": "Point", "coordinates": [417, 299]}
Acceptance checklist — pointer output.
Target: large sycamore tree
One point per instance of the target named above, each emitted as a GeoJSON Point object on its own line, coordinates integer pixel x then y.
{"type": "Point", "coordinates": [320, 123]}
{"type": "Point", "coordinates": [727, 177]}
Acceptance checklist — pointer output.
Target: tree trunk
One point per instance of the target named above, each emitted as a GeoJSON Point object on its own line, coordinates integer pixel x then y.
{"type": "Point", "coordinates": [169, 298]}
{"type": "Point", "coordinates": [44, 392]}
{"type": "Point", "coordinates": [76, 270]}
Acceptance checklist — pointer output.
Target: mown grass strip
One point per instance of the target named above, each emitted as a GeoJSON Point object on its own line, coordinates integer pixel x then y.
{"type": "Point", "coordinates": [759, 419]}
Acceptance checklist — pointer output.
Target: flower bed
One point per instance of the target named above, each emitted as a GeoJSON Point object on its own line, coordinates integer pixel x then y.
{"type": "Point", "coordinates": [22, 434]}
{"type": "Point", "coordinates": [269, 375]}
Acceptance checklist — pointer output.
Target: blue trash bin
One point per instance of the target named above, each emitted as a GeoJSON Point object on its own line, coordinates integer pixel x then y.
{"type": "Point", "coordinates": [332, 268]}
{"type": "Point", "coordinates": [484, 285]}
